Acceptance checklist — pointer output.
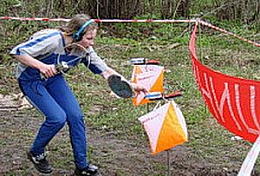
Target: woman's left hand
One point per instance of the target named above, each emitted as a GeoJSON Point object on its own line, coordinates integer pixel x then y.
{"type": "Point", "coordinates": [139, 88]}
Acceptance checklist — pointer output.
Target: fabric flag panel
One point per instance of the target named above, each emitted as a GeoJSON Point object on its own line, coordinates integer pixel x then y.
{"type": "Point", "coordinates": [165, 127]}
{"type": "Point", "coordinates": [151, 77]}
{"type": "Point", "coordinates": [233, 101]}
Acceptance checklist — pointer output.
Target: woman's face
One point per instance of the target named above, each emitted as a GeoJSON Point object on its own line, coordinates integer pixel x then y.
{"type": "Point", "coordinates": [88, 38]}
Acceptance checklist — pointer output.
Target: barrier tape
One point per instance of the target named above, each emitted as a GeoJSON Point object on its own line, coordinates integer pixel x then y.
{"type": "Point", "coordinates": [144, 21]}
{"type": "Point", "coordinates": [228, 33]}
{"type": "Point", "coordinates": [197, 21]}
{"type": "Point", "coordinates": [34, 19]}
{"type": "Point", "coordinates": [99, 20]}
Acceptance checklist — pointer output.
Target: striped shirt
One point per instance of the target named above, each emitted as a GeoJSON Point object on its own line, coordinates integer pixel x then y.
{"type": "Point", "coordinates": [48, 46]}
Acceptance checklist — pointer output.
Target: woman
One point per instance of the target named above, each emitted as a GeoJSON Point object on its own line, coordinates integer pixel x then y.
{"type": "Point", "coordinates": [45, 87]}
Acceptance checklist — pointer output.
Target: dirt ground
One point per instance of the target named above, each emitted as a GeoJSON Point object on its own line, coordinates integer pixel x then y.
{"type": "Point", "coordinates": [115, 153]}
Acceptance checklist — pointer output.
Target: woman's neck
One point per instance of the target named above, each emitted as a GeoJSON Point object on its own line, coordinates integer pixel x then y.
{"type": "Point", "coordinates": [67, 39]}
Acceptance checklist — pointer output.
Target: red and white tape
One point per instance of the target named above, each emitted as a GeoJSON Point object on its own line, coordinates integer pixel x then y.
{"type": "Point", "coordinates": [197, 21]}
{"type": "Point", "coordinates": [99, 20]}
{"type": "Point", "coordinates": [34, 19]}
{"type": "Point", "coordinates": [228, 33]}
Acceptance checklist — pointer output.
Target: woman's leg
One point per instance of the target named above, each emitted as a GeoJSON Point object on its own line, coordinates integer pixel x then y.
{"type": "Point", "coordinates": [55, 117]}
{"type": "Point", "coordinates": [66, 99]}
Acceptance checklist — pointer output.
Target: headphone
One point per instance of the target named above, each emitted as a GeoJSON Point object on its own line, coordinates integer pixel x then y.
{"type": "Point", "coordinates": [78, 34]}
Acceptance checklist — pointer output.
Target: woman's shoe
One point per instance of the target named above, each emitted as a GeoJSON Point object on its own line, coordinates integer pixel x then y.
{"type": "Point", "coordinates": [91, 170]}
{"type": "Point", "coordinates": [40, 163]}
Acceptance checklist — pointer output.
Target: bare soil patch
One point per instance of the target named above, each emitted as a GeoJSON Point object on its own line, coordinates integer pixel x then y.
{"type": "Point", "coordinates": [113, 151]}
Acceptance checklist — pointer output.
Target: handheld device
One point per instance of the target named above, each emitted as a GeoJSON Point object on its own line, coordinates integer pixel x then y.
{"type": "Point", "coordinates": [120, 86]}
{"type": "Point", "coordinates": [159, 96]}
{"type": "Point", "coordinates": [64, 66]}
{"type": "Point", "coordinates": [143, 61]}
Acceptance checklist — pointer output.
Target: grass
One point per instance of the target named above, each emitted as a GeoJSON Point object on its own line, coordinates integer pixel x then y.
{"type": "Point", "coordinates": [105, 112]}
{"type": "Point", "coordinates": [117, 52]}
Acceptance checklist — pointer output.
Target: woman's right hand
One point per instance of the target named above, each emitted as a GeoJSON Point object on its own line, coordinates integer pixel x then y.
{"type": "Point", "coordinates": [47, 70]}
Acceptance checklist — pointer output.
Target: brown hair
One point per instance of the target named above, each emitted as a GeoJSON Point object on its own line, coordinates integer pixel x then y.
{"type": "Point", "coordinates": [76, 23]}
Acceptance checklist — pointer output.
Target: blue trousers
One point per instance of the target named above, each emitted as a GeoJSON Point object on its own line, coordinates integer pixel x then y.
{"type": "Point", "coordinates": [54, 98]}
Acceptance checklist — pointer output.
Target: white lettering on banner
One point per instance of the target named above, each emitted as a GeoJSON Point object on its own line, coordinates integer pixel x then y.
{"type": "Point", "coordinates": [231, 109]}
{"type": "Point", "coordinates": [208, 90]}
{"type": "Point", "coordinates": [240, 114]}
{"type": "Point", "coordinates": [206, 93]}
{"type": "Point", "coordinates": [210, 97]}
{"type": "Point", "coordinates": [225, 96]}
{"type": "Point", "coordinates": [225, 99]}
{"type": "Point", "coordinates": [203, 90]}
{"type": "Point", "coordinates": [252, 106]}
{"type": "Point", "coordinates": [218, 107]}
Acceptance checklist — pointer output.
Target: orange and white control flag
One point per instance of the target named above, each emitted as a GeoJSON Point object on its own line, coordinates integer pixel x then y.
{"type": "Point", "coordinates": [151, 77]}
{"type": "Point", "coordinates": [165, 127]}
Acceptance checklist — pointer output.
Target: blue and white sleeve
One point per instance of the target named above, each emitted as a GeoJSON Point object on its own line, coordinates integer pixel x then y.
{"type": "Point", "coordinates": [95, 63]}
{"type": "Point", "coordinates": [38, 46]}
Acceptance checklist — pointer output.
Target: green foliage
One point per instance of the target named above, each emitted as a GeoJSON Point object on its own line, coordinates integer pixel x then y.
{"type": "Point", "coordinates": [168, 43]}
{"type": "Point", "coordinates": [196, 114]}
{"type": "Point", "coordinates": [119, 41]}
{"type": "Point", "coordinates": [148, 16]}
{"type": "Point", "coordinates": [154, 41]}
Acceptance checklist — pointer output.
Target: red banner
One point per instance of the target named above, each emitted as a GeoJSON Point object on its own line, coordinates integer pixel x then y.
{"type": "Point", "coordinates": [234, 102]}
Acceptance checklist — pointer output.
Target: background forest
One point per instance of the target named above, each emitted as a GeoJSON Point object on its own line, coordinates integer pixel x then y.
{"type": "Point", "coordinates": [245, 11]}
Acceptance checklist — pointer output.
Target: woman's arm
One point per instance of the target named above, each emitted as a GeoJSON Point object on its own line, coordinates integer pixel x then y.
{"type": "Point", "coordinates": [136, 87]}
{"type": "Point", "coordinates": [46, 70]}
{"type": "Point", "coordinates": [109, 71]}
